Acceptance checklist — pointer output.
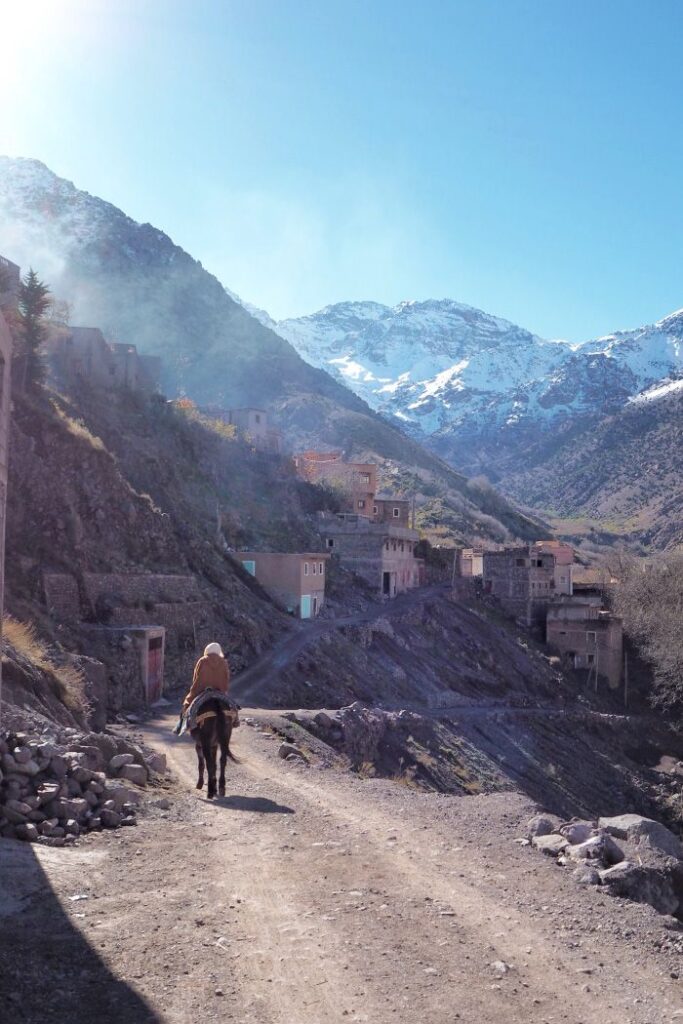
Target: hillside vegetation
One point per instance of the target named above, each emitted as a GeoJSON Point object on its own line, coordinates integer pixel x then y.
{"type": "Point", "coordinates": [623, 475]}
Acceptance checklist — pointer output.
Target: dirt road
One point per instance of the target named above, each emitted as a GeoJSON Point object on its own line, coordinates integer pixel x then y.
{"type": "Point", "coordinates": [248, 684]}
{"type": "Point", "coordinates": [307, 896]}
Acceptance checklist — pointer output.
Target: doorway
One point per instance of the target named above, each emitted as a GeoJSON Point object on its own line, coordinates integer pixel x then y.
{"type": "Point", "coordinates": [386, 583]}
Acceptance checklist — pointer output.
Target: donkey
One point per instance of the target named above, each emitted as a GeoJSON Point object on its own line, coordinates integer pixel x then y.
{"type": "Point", "coordinates": [213, 732]}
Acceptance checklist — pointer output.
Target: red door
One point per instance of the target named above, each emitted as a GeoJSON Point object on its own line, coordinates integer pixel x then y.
{"type": "Point", "coordinates": [155, 669]}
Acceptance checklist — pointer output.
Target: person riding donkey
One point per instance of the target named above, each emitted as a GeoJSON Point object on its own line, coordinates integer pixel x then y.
{"type": "Point", "coordinates": [211, 673]}
{"type": "Point", "coordinates": [210, 716]}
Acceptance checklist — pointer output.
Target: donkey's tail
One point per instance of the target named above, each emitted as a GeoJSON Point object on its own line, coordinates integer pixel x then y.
{"type": "Point", "coordinates": [223, 733]}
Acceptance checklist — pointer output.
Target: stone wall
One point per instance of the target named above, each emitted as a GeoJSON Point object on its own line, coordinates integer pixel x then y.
{"type": "Point", "coordinates": [140, 588]}
{"type": "Point", "coordinates": [62, 596]}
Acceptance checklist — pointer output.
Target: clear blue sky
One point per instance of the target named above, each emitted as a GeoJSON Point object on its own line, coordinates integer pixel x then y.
{"type": "Point", "coordinates": [524, 157]}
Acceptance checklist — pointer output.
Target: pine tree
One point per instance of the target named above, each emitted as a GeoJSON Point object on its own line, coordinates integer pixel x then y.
{"type": "Point", "coordinates": [34, 302]}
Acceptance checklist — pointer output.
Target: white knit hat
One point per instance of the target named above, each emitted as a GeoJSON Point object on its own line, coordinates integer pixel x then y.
{"type": "Point", "coordinates": [213, 649]}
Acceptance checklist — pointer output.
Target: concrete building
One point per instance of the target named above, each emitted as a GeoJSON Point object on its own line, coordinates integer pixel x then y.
{"type": "Point", "coordinates": [5, 405]}
{"type": "Point", "coordinates": [525, 581]}
{"type": "Point", "coordinates": [83, 353]}
{"type": "Point", "coordinates": [592, 638]}
{"type": "Point", "coordinates": [469, 562]}
{"type": "Point", "coordinates": [253, 424]}
{"type": "Point", "coordinates": [295, 580]}
{"type": "Point", "coordinates": [355, 481]}
{"type": "Point", "coordinates": [381, 553]}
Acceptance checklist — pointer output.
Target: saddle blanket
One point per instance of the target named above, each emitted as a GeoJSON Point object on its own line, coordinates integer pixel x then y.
{"type": "Point", "coordinates": [194, 716]}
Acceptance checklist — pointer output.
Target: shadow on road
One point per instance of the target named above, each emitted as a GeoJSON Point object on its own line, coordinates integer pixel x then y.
{"type": "Point", "coordinates": [257, 804]}
{"type": "Point", "coordinates": [49, 972]}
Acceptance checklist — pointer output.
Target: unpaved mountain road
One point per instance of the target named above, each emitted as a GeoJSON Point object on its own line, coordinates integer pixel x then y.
{"type": "Point", "coordinates": [247, 686]}
{"type": "Point", "coordinates": [309, 896]}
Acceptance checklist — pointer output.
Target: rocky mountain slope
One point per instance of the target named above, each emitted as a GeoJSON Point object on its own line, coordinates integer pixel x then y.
{"type": "Point", "coordinates": [622, 474]}
{"type": "Point", "coordinates": [133, 282]}
{"type": "Point", "coordinates": [477, 387]}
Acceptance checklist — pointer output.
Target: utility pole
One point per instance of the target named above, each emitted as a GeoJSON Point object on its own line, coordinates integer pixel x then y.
{"type": "Point", "coordinates": [455, 565]}
{"type": "Point", "coordinates": [596, 664]}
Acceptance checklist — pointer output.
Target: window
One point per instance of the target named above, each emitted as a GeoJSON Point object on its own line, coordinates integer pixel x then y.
{"type": "Point", "coordinates": [563, 632]}
{"type": "Point", "coordinates": [520, 561]}
{"type": "Point", "coordinates": [374, 510]}
{"type": "Point", "coordinates": [315, 568]}
{"type": "Point", "coordinates": [305, 568]}
{"type": "Point", "coordinates": [590, 659]}
{"type": "Point", "coordinates": [397, 512]}
{"type": "Point", "coordinates": [330, 542]}
{"type": "Point", "coordinates": [365, 478]}
{"type": "Point", "coordinates": [257, 417]}
{"type": "Point", "coordinates": [591, 637]}
{"type": "Point", "coordinates": [250, 566]}
{"type": "Point", "coordinates": [320, 568]}
{"type": "Point", "coordinates": [361, 503]}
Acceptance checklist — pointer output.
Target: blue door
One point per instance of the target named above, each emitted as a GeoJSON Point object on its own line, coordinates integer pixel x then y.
{"type": "Point", "coordinates": [306, 606]}
{"type": "Point", "coordinates": [250, 565]}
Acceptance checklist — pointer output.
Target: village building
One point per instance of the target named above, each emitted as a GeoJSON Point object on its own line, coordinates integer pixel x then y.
{"type": "Point", "coordinates": [296, 580]}
{"type": "Point", "coordinates": [525, 580]}
{"type": "Point", "coordinates": [83, 353]}
{"type": "Point", "coordinates": [381, 553]}
{"type": "Point", "coordinates": [386, 509]}
{"type": "Point", "coordinates": [5, 404]}
{"type": "Point", "coordinates": [590, 637]}
{"type": "Point", "coordinates": [10, 279]}
{"type": "Point", "coordinates": [253, 424]}
{"type": "Point", "coordinates": [469, 562]}
{"type": "Point", "coordinates": [356, 482]}
{"type": "Point", "coordinates": [564, 563]}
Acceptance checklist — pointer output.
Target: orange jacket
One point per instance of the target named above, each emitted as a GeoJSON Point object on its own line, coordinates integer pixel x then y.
{"type": "Point", "coordinates": [210, 672]}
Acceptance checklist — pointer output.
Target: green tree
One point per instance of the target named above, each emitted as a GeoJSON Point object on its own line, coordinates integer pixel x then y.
{"type": "Point", "coordinates": [34, 302]}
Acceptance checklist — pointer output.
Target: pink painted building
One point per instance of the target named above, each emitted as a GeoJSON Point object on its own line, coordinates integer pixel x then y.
{"type": "Point", "coordinates": [296, 580]}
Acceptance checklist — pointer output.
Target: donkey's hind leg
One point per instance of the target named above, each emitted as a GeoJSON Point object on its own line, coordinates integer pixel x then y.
{"type": "Point", "coordinates": [210, 758]}
{"type": "Point", "coordinates": [221, 778]}
{"type": "Point", "coordinates": [200, 765]}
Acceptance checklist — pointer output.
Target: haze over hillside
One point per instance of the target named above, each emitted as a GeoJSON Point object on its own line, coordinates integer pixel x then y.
{"type": "Point", "coordinates": [131, 280]}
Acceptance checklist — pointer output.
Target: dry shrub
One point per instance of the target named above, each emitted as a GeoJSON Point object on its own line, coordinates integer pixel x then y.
{"type": "Point", "coordinates": [70, 681]}
{"type": "Point", "coordinates": [79, 429]}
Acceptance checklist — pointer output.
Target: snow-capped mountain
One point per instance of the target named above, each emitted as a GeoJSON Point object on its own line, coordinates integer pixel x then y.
{"type": "Point", "coordinates": [457, 375]}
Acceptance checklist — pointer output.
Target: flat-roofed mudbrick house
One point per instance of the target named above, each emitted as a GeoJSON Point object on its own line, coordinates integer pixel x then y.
{"type": "Point", "coordinates": [523, 581]}
{"type": "Point", "coordinates": [253, 424]}
{"type": "Point", "coordinates": [355, 481]}
{"type": "Point", "coordinates": [469, 562]}
{"type": "Point", "coordinates": [591, 637]}
{"type": "Point", "coordinates": [296, 580]}
{"type": "Point", "coordinates": [564, 563]}
{"type": "Point", "coordinates": [381, 553]}
{"type": "Point", "coordinates": [83, 353]}
{"type": "Point", "coordinates": [5, 403]}
{"type": "Point", "coordinates": [386, 509]}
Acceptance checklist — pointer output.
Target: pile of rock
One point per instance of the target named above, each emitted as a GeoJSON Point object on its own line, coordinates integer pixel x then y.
{"type": "Point", "coordinates": [632, 856]}
{"type": "Point", "coordinates": [53, 789]}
